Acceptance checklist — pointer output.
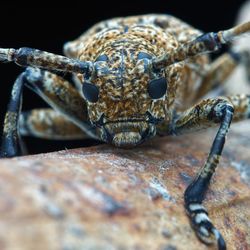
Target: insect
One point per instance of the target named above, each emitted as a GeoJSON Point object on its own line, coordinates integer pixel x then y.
{"type": "Point", "coordinates": [135, 77]}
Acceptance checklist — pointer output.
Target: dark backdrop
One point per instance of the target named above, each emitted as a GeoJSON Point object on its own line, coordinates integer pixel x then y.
{"type": "Point", "coordinates": [48, 27]}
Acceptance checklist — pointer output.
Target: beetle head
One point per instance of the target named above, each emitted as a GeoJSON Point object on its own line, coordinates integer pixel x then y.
{"type": "Point", "coordinates": [126, 96]}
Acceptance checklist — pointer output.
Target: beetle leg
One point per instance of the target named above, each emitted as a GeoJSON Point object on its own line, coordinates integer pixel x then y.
{"type": "Point", "coordinates": [57, 92]}
{"type": "Point", "coordinates": [201, 116]}
{"type": "Point", "coordinates": [48, 124]}
{"type": "Point", "coordinates": [11, 145]}
{"type": "Point", "coordinates": [195, 193]}
{"type": "Point", "coordinates": [221, 69]}
{"type": "Point", "coordinates": [205, 114]}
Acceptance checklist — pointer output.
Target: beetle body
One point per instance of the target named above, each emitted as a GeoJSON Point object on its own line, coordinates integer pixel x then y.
{"type": "Point", "coordinates": [135, 77]}
{"type": "Point", "coordinates": [125, 113]}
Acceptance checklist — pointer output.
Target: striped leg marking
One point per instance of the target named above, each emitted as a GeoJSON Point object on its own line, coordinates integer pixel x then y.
{"type": "Point", "coordinates": [203, 226]}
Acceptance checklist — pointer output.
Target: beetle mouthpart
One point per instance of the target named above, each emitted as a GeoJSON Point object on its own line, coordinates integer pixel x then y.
{"type": "Point", "coordinates": [127, 139]}
{"type": "Point", "coordinates": [126, 133]}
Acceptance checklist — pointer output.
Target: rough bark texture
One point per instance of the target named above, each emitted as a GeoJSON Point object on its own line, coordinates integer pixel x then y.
{"type": "Point", "coordinates": [107, 198]}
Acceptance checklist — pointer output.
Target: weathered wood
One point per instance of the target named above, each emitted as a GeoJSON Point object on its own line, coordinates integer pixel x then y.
{"type": "Point", "coordinates": [107, 198]}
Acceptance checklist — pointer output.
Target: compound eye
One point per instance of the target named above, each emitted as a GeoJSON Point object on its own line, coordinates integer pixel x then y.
{"type": "Point", "coordinates": [90, 92]}
{"type": "Point", "coordinates": [157, 88]}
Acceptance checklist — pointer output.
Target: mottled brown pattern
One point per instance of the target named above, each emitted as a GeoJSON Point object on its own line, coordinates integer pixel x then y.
{"type": "Point", "coordinates": [123, 92]}
{"type": "Point", "coordinates": [123, 103]}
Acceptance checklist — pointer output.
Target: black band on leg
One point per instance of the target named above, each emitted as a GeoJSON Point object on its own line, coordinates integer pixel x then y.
{"type": "Point", "coordinates": [195, 192]}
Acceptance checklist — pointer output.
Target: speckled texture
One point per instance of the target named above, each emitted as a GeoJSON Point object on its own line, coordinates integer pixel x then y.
{"type": "Point", "coordinates": [107, 198]}
{"type": "Point", "coordinates": [124, 89]}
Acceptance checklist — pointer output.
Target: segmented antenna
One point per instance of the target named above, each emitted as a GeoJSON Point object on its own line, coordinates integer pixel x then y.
{"type": "Point", "coordinates": [44, 60]}
{"type": "Point", "coordinates": [206, 43]}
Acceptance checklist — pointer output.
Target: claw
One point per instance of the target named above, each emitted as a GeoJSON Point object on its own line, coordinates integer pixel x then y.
{"type": "Point", "coordinates": [220, 241]}
{"type": "Point", "coordinates": [203, 227]}
{"type": "Point", "coordinates": [208, 234]}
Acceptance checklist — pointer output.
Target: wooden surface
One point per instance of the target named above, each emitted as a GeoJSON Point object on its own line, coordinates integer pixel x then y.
{"type": "Point", "coordinates": [105, 198]}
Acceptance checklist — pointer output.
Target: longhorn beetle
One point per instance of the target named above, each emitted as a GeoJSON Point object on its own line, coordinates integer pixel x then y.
{"type": "Point", "coordinates": [134, 78]}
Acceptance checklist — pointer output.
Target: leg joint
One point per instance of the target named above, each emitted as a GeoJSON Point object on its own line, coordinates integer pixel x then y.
{"type": "Point", "coordinates": [219, 110]}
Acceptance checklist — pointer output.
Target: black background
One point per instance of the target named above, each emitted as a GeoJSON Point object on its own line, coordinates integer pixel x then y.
{"type": "Point", "coordinates": [48, 27]}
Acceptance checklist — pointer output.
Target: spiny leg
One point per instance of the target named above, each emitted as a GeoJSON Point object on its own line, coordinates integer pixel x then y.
{"type": "Point", "coordinates": [206, 114]}
{"type": "Point", "coordinates": [56, 92]}
{"type": "Point", "coordinates": [48, 124]}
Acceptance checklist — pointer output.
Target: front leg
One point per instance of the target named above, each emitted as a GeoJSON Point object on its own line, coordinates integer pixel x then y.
{"type": "Point", "coordinates": [206, 114]}
{"type": "Point", "coordinates": [57, 92]}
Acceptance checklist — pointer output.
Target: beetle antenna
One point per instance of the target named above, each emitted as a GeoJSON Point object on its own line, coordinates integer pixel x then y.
{"type": "Point", "coordinates": [45, 60]}
{"type": "Point", "coordinates": [206, 43]}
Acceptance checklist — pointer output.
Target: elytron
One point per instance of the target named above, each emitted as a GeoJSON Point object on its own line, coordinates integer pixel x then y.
{"type": "Point", "coordinates": [135, 77]}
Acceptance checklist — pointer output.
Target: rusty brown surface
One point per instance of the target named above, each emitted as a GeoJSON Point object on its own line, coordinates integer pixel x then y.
{"type": "Point", "coordinates": [108, 198]}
